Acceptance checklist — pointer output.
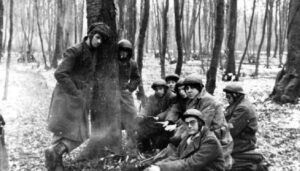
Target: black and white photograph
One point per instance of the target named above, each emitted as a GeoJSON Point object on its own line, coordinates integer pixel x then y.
{"type": "Point", "coordinates": [149, 85]}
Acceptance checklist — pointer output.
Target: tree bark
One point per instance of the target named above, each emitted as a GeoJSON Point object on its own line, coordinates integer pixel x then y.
{"type": "Point", "coordinates": [105, 108]}
{"type": "Point", "coordinates": [270, 21]}
{"type": "Point", "coordinates": [121, 5]}
{"type": "Point", "coordinates": [40, 34]}
{"type": "Point", "coordinates": [11, 6]}
{"type": "Point", "coordinates": [164, 38]}
{"type": "Point", "coordinates": [141, 39]}
{"type": "Point", "coordinates": [262, 40]}
{"type": "Point", "coordinates": [131, 21]}
{"type": "Point", "coordinates": [230, 67]}
{"type": "Point", "coordinates": [287, 87]}
{"type": "Point", "coordinates": [276, 29]}
{"type": "Point", "coordinates": [219, 31]}
{"type": "Point", "coordinates": [1, 28]}
{"type": "Point", "coordinates": [178, 37]}
{"type": "Point", "coordinates": [59, 34]}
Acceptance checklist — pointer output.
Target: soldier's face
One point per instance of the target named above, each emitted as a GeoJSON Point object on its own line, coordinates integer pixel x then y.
{"type": "Point", "coordinates": [191, 91]}
{"type": "Point", "coordinates": [123, 54]}
{"type": "Point", "coordinates": [181, 92]}
{"type": "Point", "coordinates": [192, 125]}
{"type": "Point", "coordinates": [96, 41]}
{"type": "Point", "coordinates": [160, 91]}
{"type": "Point", "coordinates": [229, 98]}
{"type": "Point", "coordinates": [171, 84]}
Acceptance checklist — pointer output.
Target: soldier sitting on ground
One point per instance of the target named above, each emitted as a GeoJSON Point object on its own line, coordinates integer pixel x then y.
{"type": "Point", "coordinates": [199, 150]}
{"type": "Point", "coordinates": [151, 134]}
{"type": "Point", "coordinates": [242, 119]}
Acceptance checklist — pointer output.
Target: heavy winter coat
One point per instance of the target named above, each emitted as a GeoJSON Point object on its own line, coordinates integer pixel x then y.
{"type": "Point", "coordinates": [214, 118]}
{"type": "Point", "coordinates": [241, 114]}
{"type": "Point", "coordinates": [129, 79]}
{"type": "Point", "coordinates": [70, 99]}
{"type": "Point", "coordinates": [157, 105]}
{"type": "Point", "coordinates": [203, 153]}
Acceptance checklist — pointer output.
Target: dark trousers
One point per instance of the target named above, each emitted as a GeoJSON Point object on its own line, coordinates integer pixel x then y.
{"type": "Point", "coordinates": [151, 135]}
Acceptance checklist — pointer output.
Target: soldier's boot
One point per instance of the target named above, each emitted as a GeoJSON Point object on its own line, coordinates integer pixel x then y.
{"type": "Point", "coordinates": [53, 156]}
{"type": "Point", "coordinates": [59, 164]}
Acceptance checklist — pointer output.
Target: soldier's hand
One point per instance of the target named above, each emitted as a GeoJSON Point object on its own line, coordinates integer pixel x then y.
{"type": "Point", "coordinates": [170, 127]}
{"type": "Point", "coordinates": [152, 168]}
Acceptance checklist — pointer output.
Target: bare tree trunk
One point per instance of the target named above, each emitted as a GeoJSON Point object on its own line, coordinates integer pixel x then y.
{"type": "Point", "coordinates": [75, 21]}
{"type": "Point", "coordinates": [1, 28]}
{"type": "Point", "coordinates": [230, 68]}
{"type": "Point", "coordinates": [247, 42]}
{"type": "Point", "coordinates": [105, 108]}
{"type": "Point", "coordinates": [68, 23]}
{"type": "Point", "coordinates": [206, 29]}
{"type": "Point", "coordinates": [131, 21]}
{"type": "Point", "coordinates": [219, 31]}
{"type": "Point", "coordinates": [178, 18]}
{"type": "Point", "coordinates": [283, 30]}
{"type": "Point", "coordinates": [270, 21]}
{"type": "Point", "coordinates": [11, 6]}
{"type": "Point", "coordinates": [276, 29]}
{"type": "Point", "coordinates": [262, 40]}
{"type": "Point", "coordinates": [121, 4]}
{"type": "Point", "coordinates": [164, 39]}
{"type": "Point", "coordinates": [141, 39]}
{"type": "Point", "coordinates": [40, 34]}
{"type": "Point", "coordinates": [59, 34]}
{"type": "Point", "coordinates": [81, 16]}
{"type": "Point", "coordinates": [287, 85]}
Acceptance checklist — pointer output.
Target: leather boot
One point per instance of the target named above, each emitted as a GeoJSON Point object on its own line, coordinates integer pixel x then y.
{"type": "Point", "coordinates": [53, 156]}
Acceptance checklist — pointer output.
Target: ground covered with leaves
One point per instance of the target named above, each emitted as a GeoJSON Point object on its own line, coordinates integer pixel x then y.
{"type": "Point", "coordinates": [30, 88]}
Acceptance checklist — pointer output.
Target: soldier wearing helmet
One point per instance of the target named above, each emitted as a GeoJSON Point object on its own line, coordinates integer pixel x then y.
{"type": "Point", "coordinates": [199, 150]}
{"type": "Point", "coordinates": [129, 79]}
{"type": "Point", "coordinates": [200, 99]}
{"type": "Point", "coordinates": [171, 80]}
{"type": "Point", "coordinates": [149, 131]}
{"type": "Point", "coordinates": [69, 108]}
{"type": "Point", "coordinates": [242, 118]}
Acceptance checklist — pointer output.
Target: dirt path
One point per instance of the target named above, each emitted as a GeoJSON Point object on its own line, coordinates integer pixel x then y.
{"type": "Point", "coordinates": [25, 112]}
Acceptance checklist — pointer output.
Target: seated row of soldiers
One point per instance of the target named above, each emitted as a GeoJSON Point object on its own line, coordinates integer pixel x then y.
{"type": "Point", "coordinates": [189, 127]}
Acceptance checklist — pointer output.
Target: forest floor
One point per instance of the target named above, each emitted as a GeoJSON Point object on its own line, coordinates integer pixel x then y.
{"type": "Point", "coordinates": [26, 108]}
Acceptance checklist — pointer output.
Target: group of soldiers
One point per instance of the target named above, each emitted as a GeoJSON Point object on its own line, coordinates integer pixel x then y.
{"type": "Point", "coordinates": [181, 120]}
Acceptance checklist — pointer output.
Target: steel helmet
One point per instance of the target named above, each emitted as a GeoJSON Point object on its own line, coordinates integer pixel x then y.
{"type": "Point", "coordinates": [159, 82]}
{"type": "Point", "coordinates": [193, 113]}
{"type": "Point", "coordinates": [125, 44]}
{"type": "Point", "coordinates": [193, 80]}
{"type": "Point", "coordinates": [234, 88]}
{"type": "Point", "coordinates": [174, 77]}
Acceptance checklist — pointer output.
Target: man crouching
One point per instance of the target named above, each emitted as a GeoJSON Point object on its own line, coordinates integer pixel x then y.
{"type": "Point", "coordinates": [199, 150]}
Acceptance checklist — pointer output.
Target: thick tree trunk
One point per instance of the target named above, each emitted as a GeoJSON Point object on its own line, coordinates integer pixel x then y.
{"type": "Point", "coordinates": [219, 31]}
{"type": "Point", "coordinates": [262, 40]}
{"type": "Point", "coordinates": [11, 6]}
{"type": "Point", "coordinates": [270, 21]}
{"type": "Point", "coordinates": [164, 38]}
{"type": "Point", "coordinates": [1, 28]}
{"type": "Point", "coordinates": [59, 35]}
{"type": "Point", "coordinates": [40, 34]}
{"type": "Point", "coordinates": [287, 86]}
{"type": "Point", "coordinates": [141, 39]}
{"type": "Point", "coordinates": [105, 108]}
{"type": "Point", "coordinates": [178, 37]}
{"type": "Point", "coordinates": [230, 67]}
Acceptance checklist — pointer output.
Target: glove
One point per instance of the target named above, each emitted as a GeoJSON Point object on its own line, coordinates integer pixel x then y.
{"type": "Point", "coordinates": [152, 168]}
